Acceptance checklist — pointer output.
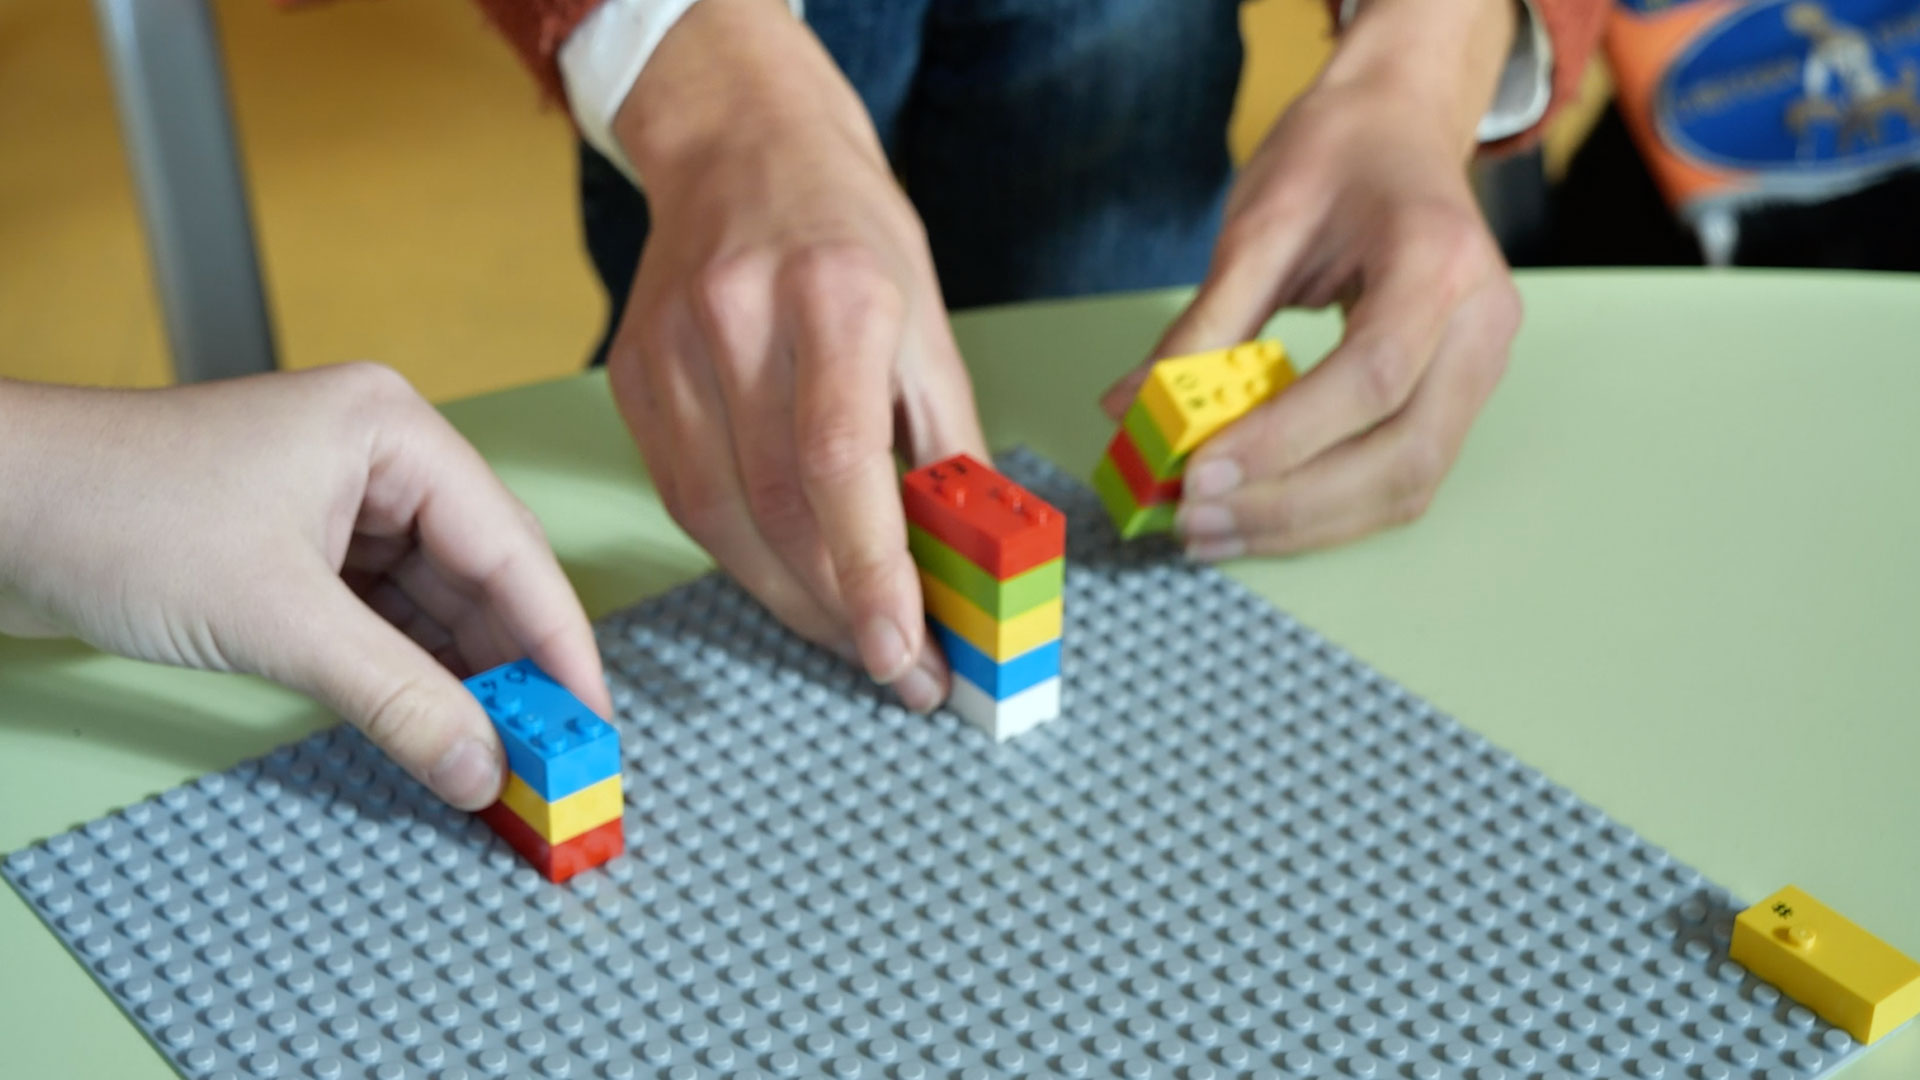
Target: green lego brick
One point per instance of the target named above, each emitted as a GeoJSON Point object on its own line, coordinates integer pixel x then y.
{"type": "Point", "coordinates": [1001, 599]}
{"type": "Point", "coordinates": [1128, 518]}
{"type": "Point", "coordinates": [1152, 444]}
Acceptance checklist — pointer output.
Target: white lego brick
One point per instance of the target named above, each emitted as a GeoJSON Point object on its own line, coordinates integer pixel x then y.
{"type": "Point", "coordinates": [1012, 716]}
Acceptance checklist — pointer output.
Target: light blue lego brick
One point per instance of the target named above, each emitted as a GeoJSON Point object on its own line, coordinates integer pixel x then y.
{"type": "Point", "coordinates": [553, 741]}
{"type": "Point", "coordinates": [1000, 680]}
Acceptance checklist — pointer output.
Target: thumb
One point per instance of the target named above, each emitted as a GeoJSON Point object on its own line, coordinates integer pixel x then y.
{"type": "Point", "coordinates": [379, 680]}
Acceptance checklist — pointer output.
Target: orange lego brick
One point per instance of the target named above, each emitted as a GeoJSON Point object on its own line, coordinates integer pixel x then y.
{"type": "Point", "coordinates": [993, 522]}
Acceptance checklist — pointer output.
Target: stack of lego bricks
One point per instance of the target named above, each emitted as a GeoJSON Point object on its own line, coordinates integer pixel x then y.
{"type": "Point", "coordinates": [1183, 402]}
{"type": "Point", "coordinates": [561, 807]}
{"type": "Point", "coordinates": [992, 560]}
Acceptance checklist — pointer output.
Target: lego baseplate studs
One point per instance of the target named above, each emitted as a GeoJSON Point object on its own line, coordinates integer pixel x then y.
{"type": "Point", "coordinates": [1821, 959]}
{"type": "Point", "coordinates": [1253, 858]}
{"type": "Point", "coordinates": [560, 808]}
{"type": "Point", "coordinates": [991, 557]}
{"type": "Point", "coordinates": [1184, 401]}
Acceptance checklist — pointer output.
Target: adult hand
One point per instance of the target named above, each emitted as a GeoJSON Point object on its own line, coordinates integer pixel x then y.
{"type": "Point", "coordinates": [1358, 195]}
{"type": "Point", "coordinates": [327, 530]}
{"type": "Point", "coordinates": [785, 334]}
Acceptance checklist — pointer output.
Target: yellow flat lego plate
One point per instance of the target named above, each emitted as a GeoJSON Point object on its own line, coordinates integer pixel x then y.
{"type": "Point", "coordinates": [1819, 958]}
{"type": "Point", "coordinates": [1192, 397]}
{"type": "Point", "coordinates": [1001, 639]}
{"type": "Point", "coordinates": [562, 820]}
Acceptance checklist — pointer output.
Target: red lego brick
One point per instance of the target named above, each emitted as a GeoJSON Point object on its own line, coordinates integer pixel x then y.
{"type": "Point", "coordinates": [557, 862]}
{"type": "Point", "coordinates": [1133, 469]}
{"type": "Point", "coordinates": [995, 523]}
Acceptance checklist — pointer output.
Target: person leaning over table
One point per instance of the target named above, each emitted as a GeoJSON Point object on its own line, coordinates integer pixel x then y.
{"type": "Point", "coordinates": [779, 330]}
{"type": "Point", "coordinates": [326, 529]}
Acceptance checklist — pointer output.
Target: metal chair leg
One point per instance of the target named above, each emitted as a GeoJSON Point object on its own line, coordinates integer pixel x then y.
{"type": "Point", "coordinates": [164, 57]}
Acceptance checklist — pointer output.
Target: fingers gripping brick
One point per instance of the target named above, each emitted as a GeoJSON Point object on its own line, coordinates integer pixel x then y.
{"type": "Point", "coordinates": [1184, 401]}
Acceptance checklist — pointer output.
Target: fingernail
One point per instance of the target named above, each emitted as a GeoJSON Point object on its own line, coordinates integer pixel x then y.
{"type": "Point", "coordinates": [467, 775]}
{"type": "Point", "coordinates": [1208, 521]}
{"type": "Point", "coordinates": [1215, 550]}
{"type": "Point", "coordinates": [919, 690]}
{"type": "Point", "coordinates": [1211, 479]}
{"type": "Point", "coordinates": [883, 649]}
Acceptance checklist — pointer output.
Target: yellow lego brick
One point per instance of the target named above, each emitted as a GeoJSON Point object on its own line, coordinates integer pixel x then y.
{"type": "Point", "coordinates": [560, 821]}
{"type": "Point", "coordinates": [1817, 957]}
{"type": "Point", "coordinates": [1192, 397]}
{"type": "Point", "coordinates": [1001, 639]}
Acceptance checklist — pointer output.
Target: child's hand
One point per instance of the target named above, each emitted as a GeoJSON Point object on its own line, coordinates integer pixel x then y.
{"type": "Point", "coordinates": [327, 530]}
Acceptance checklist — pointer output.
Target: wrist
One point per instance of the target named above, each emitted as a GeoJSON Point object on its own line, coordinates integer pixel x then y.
{"type": "Point", "coordinates": [14, 468]}
{"type": "Point", "coordinates": [23, 501]}
{"type": "Point", "coordinates": [730, 74]}
{"type": "Point", "coordinates": [1440, 60]}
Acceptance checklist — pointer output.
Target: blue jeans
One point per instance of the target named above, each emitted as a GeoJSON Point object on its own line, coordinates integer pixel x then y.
{"type": "Point", "coordinates": [1052, 147]}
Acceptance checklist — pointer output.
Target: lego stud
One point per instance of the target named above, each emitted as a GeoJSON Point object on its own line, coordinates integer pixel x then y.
{"type": "Point", "coordinates": [1798, 937]}
{"type": "Point", "coordinates": [951, 494]}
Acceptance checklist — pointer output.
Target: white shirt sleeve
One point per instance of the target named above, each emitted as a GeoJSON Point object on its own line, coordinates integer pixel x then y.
{"type": "Point", "coordinates": [1526, 84]}
{"type": "Point", "coordinates": [603, 56]}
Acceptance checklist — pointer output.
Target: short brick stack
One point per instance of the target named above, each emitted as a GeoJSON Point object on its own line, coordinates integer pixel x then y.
{"type": "Point", "coordinates": [992, 560]}
{"type": "Point", "coordinates": [561, 806]}
{"type": "Point", "coordinates": [1184, 402]}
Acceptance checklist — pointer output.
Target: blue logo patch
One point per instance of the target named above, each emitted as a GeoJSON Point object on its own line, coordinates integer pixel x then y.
{"type": "Point", "coordinates": [1799, 85]}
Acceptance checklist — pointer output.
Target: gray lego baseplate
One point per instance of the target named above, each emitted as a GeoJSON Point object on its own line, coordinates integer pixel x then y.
{"type": "Point", "coordinates": [1239, 853]}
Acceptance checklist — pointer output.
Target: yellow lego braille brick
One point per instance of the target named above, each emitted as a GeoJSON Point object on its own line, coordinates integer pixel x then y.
{"type": "Point", "coordinates": [560, 821]}
{"type": "Point", "coordinates": [1001, 639]}
{"type": "Point", "coordinates": [1820, 959]}
{"type": "Point", "coordinates": [1192, 397]}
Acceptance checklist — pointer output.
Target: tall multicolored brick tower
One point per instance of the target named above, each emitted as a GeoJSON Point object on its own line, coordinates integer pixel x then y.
{"type": "Point", "coordinates": [1183, 403]}
{"type": "Point", "coordinates": [992, 559]}
{"type": "Point", "coordinates": [562, 803]}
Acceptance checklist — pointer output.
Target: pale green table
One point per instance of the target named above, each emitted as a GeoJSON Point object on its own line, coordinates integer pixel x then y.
{"type": "Point", "coordinates": [1677, 569]}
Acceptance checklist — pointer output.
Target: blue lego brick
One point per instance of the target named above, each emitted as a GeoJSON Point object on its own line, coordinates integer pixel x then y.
{"type": "Point", "coordinates": [1252, 857]}
{"type": "Point", "coordinates": [553, 741]}
{"type": "Point", "coordinates": [1003, 679]}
